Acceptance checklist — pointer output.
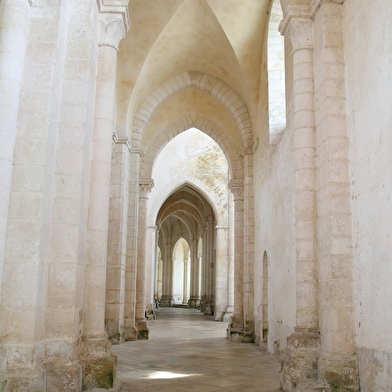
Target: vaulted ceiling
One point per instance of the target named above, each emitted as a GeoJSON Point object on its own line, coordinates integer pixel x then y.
{"type": "Point", "coordinates": [221, 42]}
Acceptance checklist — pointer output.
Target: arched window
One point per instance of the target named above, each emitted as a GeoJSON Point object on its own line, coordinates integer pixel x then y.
{"type": "Point", "coordinates": [276, 75]}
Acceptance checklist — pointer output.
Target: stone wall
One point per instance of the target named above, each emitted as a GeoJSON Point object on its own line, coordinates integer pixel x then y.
{"type": "Point", "coordinates": [368, 49]}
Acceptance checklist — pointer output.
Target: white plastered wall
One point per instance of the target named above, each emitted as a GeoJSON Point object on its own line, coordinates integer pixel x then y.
{"type": "Point", "coordinates": [368, 57]}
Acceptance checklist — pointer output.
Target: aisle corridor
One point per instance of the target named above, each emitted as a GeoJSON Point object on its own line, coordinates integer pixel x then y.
{"type": "Point", "coordinates": [187, 351]}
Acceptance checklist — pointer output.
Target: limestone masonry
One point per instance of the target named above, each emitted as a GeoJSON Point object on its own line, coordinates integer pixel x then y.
{"type": "Point", "coordinates": [231, 156]}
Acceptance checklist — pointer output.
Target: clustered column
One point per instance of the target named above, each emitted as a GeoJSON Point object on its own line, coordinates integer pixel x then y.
{"type": "Point", "coordinates": [248, 238]}
{"type": "Point", "coordinates": [236, 326]}
{"type": "Point", "coordinates": [304, 343]}
{"type": "Point", "coordinates": [338, 362]}
{"type": "Point", "coordinates": [95, 344]}
{"type": "Point", "coordinates": [194, 301]}
{"type": "Point", "coordinates": [230, 267]}
{"type": "Point", "coordinates": [221, 271]}
{"type": "Point", "coordinates": [208, 245]}
{"type": "Point", "coordinates": [167, 280]}
{"type": "Point", "coordinates": [185, 279]}
{"type": "Point", "coordinates": [141, 322]}
{"type": "Point", "coordinates": [117, 240]}
{"type": "Point", "coordinates": [132, 246]}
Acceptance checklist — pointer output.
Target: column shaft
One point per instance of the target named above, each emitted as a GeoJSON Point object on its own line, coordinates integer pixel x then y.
{"type": "Point", "coordinates": [230, 271]}
{"type": "Point", "coordinates": [117, 241]}
{"type": "Point", "coordinates": [338, 362]}
{"type": "Point", "coordinates": [167, 279]}
{"type": "Point", "coordinates": [221, 270]}
{"type": "Point", "coordinates": [150, 260]}
{"type": "Point", "coordinates": [300, 359]}
{"type": "Point", "coordinates": [248, 265]}
{"type": "Point", "coordinates": [132, 248]}
{"type": "Point", "coordinates": [194, 301]}
{"type": "Point", "coordinates": [13, 29]}
{"type": "Point", "coordinates": [185, 287]}
{"type": "Point", "coordinates": [95, 348]}
{"type": "Point", "coordinates": [141, 322]}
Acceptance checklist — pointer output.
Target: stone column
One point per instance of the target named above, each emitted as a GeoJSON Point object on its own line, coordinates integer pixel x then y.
{"type": "Point", "coordinates": [117, 240]}
{"type": "Point", "coordinates": [221, 271]}
{"type": "Point", "coordinates": [209, 249]}
{"type": "Point", "coordinates": [132, 247]}
{"type": "Point", "coordinates": [150, 262]}
{"type": "Point", "coordinates": [141, 322]}
{"type": "Point", "coordinates": [300, 358]}
{"type": "Point", "coordinates": [14, 23]}
{"type": "Point", "coordinates": [23, 212]}
{"type": "Point", "coordinates": [236, 330]}
{"type": "Point", "coordinates": [185, 291]}
{"type": "Point", "coordinates": [167, 279]}
{"type": "Point", "coordinates": [203, 271]}
{"type": "Point", "coordinates": [98, 362]}
{"type": "Point", "coordinates": [230, 268]}
{"type": "Point", "coordinates": [248, 264]}
{"type": "Point", "coordinates": [194, 301]}
{"type": "Point", "coordinates": [338, 363]}
{"type": "Point", "coordinates": [159, 277]}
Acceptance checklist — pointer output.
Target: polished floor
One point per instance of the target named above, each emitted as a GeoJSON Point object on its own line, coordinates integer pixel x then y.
{"type": "Point", "coordinates": [188, 351]}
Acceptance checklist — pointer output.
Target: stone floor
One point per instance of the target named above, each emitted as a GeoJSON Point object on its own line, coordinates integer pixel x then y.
{"type": "Point", "coordinates": [188, 351]}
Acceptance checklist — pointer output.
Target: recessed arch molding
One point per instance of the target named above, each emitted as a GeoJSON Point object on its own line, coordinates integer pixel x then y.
{"type": "Point", "coordinates": [217, 88]}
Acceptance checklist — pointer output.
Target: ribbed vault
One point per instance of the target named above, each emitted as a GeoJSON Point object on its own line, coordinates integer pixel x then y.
{"type": "Point", "coordinates": [185, 208]}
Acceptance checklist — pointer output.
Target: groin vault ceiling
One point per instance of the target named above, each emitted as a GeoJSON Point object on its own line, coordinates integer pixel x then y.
{"type": "Point", "coordinates": [218, 44]}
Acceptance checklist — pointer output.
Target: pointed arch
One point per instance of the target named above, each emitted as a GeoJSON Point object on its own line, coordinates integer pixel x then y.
{"type": "Point", "coordinates": [217, 88]}
{"type": "Point", "coordinates": [204, 124]}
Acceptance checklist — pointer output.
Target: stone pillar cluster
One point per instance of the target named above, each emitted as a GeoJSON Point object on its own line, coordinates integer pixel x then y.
{"type": "Point", "coordinates": [321, 350]}
{"type": "Point", "coordinates": [338, 362]}
{"type": "Point", "coordinates": [141, 322]}
{"type": "Point", "coordinates": [57, 121]}
{"type": "Point", "coordinates": [167, 278]}
{"type": "Point", "coordinates": [194, 301]}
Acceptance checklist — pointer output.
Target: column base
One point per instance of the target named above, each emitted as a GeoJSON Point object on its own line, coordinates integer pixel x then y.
{"type": "Point", "coordinates": [116, 334]}
{"type": "Point", "coordinates": [130, 331]}
{"type": "Point", "coordinates": [150, 312]}
{"type": "Point", "coordinates": [299, 361]}
{"type": "Point", "coordinates": [23, 380]}
{"type": "Point", "coordinates": [63, 375]}
{"type": "Point", "coordinates": [240, 331]}
{"type": "Point", "coordinates": [218, 316]}
{"type": "Point", "coordinates": [142, 329]}
{"type": "Point", "coordinates": [99, 364]}
{"type": "Point", "coordinates": [194, 302]}
{"type": "Point", "coordinates": [340, 372]}
{"type": "Point", "coordinates": [166, 302]}
{"type": "Point", "coordinates": [227, 316]}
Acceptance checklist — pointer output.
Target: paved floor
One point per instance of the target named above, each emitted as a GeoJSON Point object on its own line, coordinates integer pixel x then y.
{"type": "Point", "coordinates": [188, 351]}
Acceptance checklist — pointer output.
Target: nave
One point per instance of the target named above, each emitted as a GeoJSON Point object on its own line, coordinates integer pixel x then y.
{"type": "Point", "coordinates": [188, 351]}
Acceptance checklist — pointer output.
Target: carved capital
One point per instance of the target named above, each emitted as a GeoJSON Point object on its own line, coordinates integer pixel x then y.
{"type": "Point", "coordinates": [116, 7]}
{"type": "Point", "coordinates": [297, 27]}
{"type": "Point", "coordinates": [122, 140]}
{"type": "Point", "coordinates": [111, 29]}
{"type": "Point", "coordinates": [316, 4]}
{"type": "Point", "coordinates": [237, 189]}
{"type": "Point", "coordinates": [145, 187]}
